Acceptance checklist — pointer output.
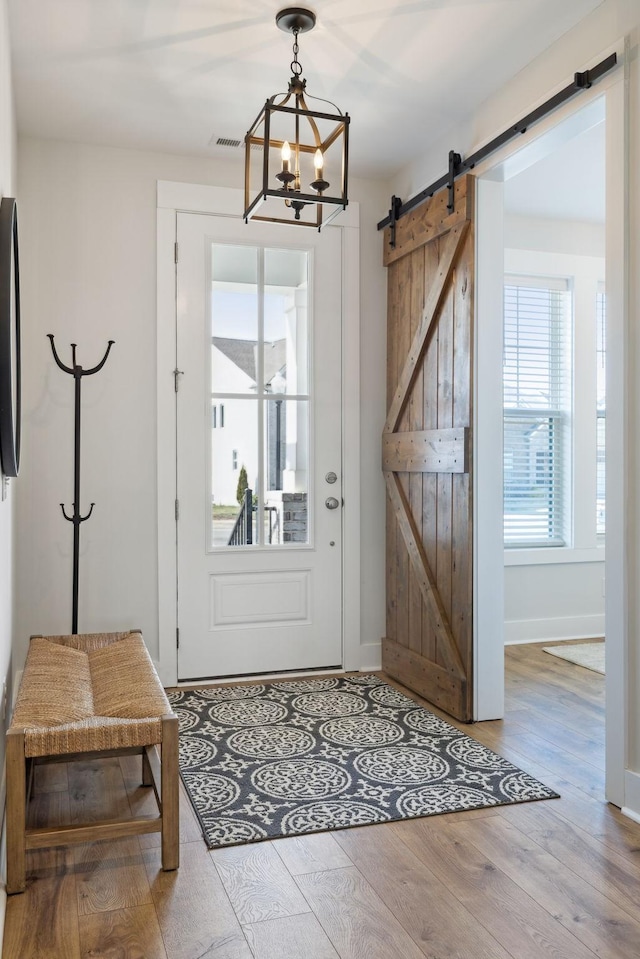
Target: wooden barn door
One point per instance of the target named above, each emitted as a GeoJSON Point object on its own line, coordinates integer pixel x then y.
{"type": "Point", "coordinates": [427, 451]}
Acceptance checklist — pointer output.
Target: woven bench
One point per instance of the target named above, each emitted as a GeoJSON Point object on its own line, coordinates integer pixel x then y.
{"type": "Point", "coordinates": [83, 697]}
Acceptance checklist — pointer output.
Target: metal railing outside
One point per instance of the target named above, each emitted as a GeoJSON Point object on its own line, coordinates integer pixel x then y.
{"type": "Point", "coordinates": [242, 532]}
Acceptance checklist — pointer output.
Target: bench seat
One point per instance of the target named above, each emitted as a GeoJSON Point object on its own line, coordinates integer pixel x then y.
{"type": "Point", "coordinates": [85, 696]}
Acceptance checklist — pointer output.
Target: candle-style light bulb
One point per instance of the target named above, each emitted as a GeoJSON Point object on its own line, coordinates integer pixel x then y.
{"type": "Point", "coordinates": [286, 156]}
{"type": "Point", "coordinates": [319, 184]}
{"type": "Point", "coordinates": [285, 176]}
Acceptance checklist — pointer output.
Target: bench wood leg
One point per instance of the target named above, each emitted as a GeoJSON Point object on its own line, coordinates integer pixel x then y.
{"type": "Point", "coordinates": [147, 775]}
{"type": "Point", "coordinates": [170, 794]}
{"type": "Point", "coordinates": [16, 812]}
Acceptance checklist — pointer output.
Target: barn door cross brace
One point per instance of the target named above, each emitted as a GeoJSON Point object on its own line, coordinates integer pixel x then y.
{"type": "Point", "coordinates": [458, 166]}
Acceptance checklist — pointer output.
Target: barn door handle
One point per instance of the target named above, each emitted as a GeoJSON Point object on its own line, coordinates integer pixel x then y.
{"type": "Point", "coordinates": [331, 502]}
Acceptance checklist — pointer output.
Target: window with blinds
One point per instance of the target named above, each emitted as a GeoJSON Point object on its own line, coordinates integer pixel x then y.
{"type": "Point", "coordinates": [537, 415]}
{"type": "Point", "coordinates": [601, 409]}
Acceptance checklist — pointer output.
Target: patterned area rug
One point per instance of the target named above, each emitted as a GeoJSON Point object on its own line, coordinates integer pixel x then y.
{"type": "Point", "coordinates": [589, 655]}
{"type": "Point", "coordinates": [287, 758]}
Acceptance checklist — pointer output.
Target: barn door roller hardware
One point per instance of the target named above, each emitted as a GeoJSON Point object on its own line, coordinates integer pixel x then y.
{"type": "Point", "coordinates": [454, 167]}
{"type": "Point", "coordinates": [76, 518]}
{"type": "Point", "coordinates": [396, 204]}
{"type": "Point", "coordinates": [458, 166]}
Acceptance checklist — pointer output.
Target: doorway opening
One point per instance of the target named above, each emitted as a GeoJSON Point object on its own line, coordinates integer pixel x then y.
{"type": "Point", "coordinates": [554, 391]}
{"type": "Point", "coordinates": [550, 252]}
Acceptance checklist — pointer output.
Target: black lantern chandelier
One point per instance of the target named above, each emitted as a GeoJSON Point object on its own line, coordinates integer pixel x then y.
{"type": "Point", "coordinates": [296, 158]}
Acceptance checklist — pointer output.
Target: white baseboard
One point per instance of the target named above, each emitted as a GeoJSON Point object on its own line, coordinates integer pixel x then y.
{"type": "Point", "coordinates": [370, 657]}
{"type": "Point", "coordinates": [631, 806]}
{"type": "Point", "coordinates": [630, 814]}
{"type": "Point", "coordinates": [551, 630]}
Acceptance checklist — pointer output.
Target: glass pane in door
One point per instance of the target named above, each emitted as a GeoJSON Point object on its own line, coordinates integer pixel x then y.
{"type": "Point", "coordinates": [286, 471]}
{"type": "Point", "coordinates": [234, 472]}
{"type": "Point", "coordinates": [286, 352]}
{"type": "Point", "coordinates": [234, 319]}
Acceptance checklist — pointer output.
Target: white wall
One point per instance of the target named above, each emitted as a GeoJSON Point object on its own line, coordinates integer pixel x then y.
{"type": "Point", "coordinates": [7, 188]}
{"type": "Point", "coordinates": [7, 505]}
{"type": "Point", "coordinates": [89, 268]}
{"type": "Point", "coordinates": [374, 202]}
{"type": "Point", "coordinates": [553, 601]}
{"type": "Point", "coordinates": [608, 23]}
{"type": "Point", "coordinates": [575, 237]}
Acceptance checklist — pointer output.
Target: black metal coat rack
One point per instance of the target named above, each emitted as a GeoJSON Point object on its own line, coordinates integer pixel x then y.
{"type": "Point", "coordinates": [76, 518]}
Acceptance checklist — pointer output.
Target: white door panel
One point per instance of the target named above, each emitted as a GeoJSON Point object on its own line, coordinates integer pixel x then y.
{"type": "Point", "coordinates": [259, 348]}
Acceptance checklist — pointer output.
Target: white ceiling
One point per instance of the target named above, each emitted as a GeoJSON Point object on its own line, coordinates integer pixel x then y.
{"type": "Point", "coordinates": [174, 75]}
{"type": "Point", "coordinates": [568, 183]}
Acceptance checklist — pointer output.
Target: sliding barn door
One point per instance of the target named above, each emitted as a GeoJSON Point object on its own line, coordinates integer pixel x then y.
{"type": "Point", "coordinates": [427, 452]}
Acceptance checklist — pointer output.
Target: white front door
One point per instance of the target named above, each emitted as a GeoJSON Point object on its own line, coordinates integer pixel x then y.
{"type": "Point", "coordinates": [258, 347]}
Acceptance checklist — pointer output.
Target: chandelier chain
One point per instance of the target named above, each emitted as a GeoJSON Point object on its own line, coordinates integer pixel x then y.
{"type": "Point", "coordinates": [296, 66]}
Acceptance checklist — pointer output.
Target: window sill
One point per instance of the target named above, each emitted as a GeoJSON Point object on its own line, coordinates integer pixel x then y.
{"type": "Point", "coordinates": [548, 556]}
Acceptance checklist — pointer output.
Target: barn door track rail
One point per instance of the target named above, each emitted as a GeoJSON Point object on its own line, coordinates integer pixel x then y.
{"type": "Point", "coordinates": [458, 166]}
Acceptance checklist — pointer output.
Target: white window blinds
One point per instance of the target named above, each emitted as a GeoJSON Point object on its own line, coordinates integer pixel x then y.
{"type": "Point", "coordinates": [537, 420]}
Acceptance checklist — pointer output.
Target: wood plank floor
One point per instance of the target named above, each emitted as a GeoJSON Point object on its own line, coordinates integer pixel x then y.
{"type": "Point", "coordinates": [557, 879]}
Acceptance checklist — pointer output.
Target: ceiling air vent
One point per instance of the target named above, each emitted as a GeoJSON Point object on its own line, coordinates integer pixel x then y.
{"type": "Point", "coordinates": [227, 142]}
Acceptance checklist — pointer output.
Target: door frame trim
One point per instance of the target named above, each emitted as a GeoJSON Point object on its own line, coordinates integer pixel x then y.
{"type": "Point", "coordinates": [174, 198]}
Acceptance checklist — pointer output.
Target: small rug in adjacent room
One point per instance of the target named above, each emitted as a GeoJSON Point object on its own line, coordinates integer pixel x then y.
{"type": "Point", "coordinates": [308, 755]}
{"type": "Point", "coordinates": [589, 655]}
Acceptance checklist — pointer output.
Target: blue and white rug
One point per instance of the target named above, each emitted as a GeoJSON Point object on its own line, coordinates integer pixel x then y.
{"type": "Point", "coordinates": [307, 755]}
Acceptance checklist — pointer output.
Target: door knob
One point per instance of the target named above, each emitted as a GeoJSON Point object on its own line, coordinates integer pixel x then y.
{"type": "Point", "coordinates": [331, 502]}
